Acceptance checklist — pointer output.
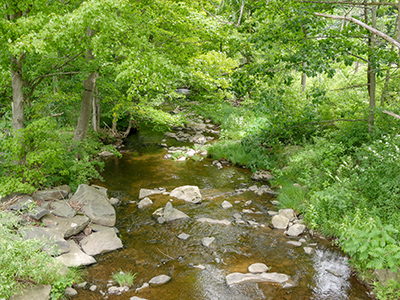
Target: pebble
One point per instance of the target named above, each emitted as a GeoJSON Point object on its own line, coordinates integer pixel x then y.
{"type": "Point", "coordinates": [258, 268]}
{"type": "Point", "coordinates": [207, 241]}
{"type": "Point", "coordinates": [144, 285]}
{"type": "Point", "coordinates": [183, 236]}
{"type": "Point", "coordinates": [160, 279]}
{"type": "Point", "coordinates": [308, 250]}
{"type": "Point", "coordinates": [295, 243]}
{"type": "Point", "coordinates": [93, 288]}
{"type": "Point", "coordinates": [226, 205]}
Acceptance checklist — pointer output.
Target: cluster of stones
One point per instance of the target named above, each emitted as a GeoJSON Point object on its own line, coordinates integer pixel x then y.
{"type": "Point", "coordinates": [286, 219]}
{"type": "Point", "coordinates": [193, 133]}
{"type": "Point", "coordinates": [88, 213]}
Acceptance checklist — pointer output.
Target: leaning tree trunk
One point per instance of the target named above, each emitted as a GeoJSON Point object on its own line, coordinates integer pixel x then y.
{"type": "Point", "coordinates": [17, 93]}
{"type": "Point", "coordinates": [371, 72]}
{"type": "Point", "coordinates": [89, 86]}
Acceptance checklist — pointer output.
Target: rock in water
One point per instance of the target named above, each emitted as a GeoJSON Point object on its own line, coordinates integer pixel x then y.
{"type": "Point", "coordinates": [160, 279]}
{"type": "Point", "coordinates": [76, 257]}
{"type": "Point", "coordinates": [101, 242]}
{"type": "Point", "coordinates": [258, 268]}
{"type": "Point", "coordinates": [280, 222]}
{"type": "Point", "coordinates": [236, 278]}
{"type": "Point", "coordinates": [144, 203]}
{"type": "Point", "coordinates": [94, 204]}
{"type": "Point", "coordinates": [188, 193]}
{"type": "Point", "coordinates": [207, 241]}
{"type": "Point", "coordinates": [262, 175]}
{"type": "Point", "coordinates": [296, 230]}
{"type": "Point", "coordinates": [171, 213]}
{"type": "Point", "coordinates": [288, 213]}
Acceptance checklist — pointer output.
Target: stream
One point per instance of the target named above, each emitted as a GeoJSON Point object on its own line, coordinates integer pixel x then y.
{"type": "Point", "coordinates": [152, 249]}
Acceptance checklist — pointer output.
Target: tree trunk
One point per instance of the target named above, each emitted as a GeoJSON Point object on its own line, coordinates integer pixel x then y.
{"type": "Point", "coordinates": [86, 107]}
{"type": "Point", "coordinates": [96, 113]}
{"type": "Point", "coordinates": [304, 78]}
{"type": "Point", "coordinates": [371, 72]}
{"type": "Point", "coordinates": [17, 93]}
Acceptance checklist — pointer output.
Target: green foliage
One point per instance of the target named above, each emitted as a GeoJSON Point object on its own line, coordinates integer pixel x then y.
{"type": "Point", "coordinates": [41, 156]}
{"type": "Point", "coordinates": [124, 278]}
{"type": "Point", "coordinates": [292, 196]}
{"type": "Point", "coordinates": [23, 262]}
{"type": "Point", "coordinates": [58, 287]}
{"type": "Point", "coordinates": [389, 291]}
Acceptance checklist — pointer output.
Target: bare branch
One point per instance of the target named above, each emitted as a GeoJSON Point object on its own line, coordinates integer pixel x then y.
{"type": "Point", "coordinates": [241, 13]}
{"type": "Point", "coordinates": [350, 3]}
{"type": "Point", "coordinates": [362, 24]}
{"type": "Point", "coordinates": [391, 114]}
{"type": "Point", "coordinates": [215, 16]}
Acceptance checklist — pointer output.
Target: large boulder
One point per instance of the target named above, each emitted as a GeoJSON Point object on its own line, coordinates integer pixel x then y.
{"type": "Point", "coordinates": [39, 292]}
{"type": "Point", "coordinates": [58, 193]}
{"type": "Point", "coordinates": [75, 257]}
{"type": "Point", "coordinates": [66, 226]}
{"type": "Point", "coordinates": [62, 209]}
{"type": "Point", "coordinates": [171, 213]}
{"type": "Point", "coordinates": [188, 193]}
{"type": "Point", "coordinates": [53, 239]}
{"type": "Point", "coordinates": [288, 213]}
{"type": "Point", "coordinates": [236, 278]}
{"type": "Point", "coordinates": [101, 242]}
{"type": "Point", "coordinates": [95, 204]}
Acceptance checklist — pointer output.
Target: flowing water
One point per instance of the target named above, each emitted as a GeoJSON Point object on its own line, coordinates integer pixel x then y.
{"type": "Point", "coordinates": [152, 249]}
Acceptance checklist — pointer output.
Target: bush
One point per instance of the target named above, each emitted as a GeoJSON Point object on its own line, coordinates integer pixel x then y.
{"type": "Point", "coordinates": [22, 262]}
{"type": "Point", "coordinates": [41, 156]}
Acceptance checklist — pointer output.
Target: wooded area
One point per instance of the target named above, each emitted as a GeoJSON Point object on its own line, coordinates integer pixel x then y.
{"type": "Point", "coordinates": [307, 89]}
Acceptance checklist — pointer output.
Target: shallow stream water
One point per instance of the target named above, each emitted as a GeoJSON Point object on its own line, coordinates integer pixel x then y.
{"type": "Point", "coordinates": [152, 249]}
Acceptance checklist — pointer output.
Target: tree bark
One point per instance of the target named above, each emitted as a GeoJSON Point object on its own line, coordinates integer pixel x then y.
{"type": "Point", "coordinates": [96, 113]}
{"type": "Point", "coordinates": [371, 72]}
{"type": "Point", "coordinates": [303, 78]}
{"type": "Point", "coordinates": [82, 127]}
{"type": "Point", "coordinates": [17, 93]}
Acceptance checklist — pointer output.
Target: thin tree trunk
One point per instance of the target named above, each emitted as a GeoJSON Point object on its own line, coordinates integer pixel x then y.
{"type": "Point", "coordinates": [304, 78]}
{"type": "Point", "coordinates": [371, 72]}
{"type": "Point", "coordinates": [356, 66]}
{"type": "Point", "coordinates": [86, 107]}
{"type": "Point", "coordinates": [17, 93]}
{"type": "Point", "coordinates": [96, 113]}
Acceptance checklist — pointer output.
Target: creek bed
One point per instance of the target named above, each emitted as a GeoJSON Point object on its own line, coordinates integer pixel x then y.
{"type": "Point", "coordinates": [152, 249]}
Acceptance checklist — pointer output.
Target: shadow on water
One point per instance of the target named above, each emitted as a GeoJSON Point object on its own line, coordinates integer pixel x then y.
{"type": "Point", "coordinates": [151, 249]}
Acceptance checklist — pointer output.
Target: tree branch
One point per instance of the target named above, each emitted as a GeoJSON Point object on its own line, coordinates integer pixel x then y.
{"type": "Point", "coordinates": [241, 13]}
{"type": "Point", "coordinates": [391, 114]}
{"type": "Point", "coordinates": [215, 16]}
{"type": "Point", "coordinates": [350, 3]}
{"type": "Point", "coordinates": [362, 24]}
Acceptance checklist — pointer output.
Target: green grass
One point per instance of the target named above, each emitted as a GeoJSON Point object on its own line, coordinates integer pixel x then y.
{"type": "Point", "coordinates": [124, 278]}
{"type": "Point", "coordinates": [292, 196]}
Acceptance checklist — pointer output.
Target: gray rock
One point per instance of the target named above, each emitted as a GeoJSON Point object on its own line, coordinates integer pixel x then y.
{"type": "Point", "coordinates": [212, 221]}
{"type": "Point", "coordinates": [236, 278]}
{"type": "Point", "coordinates": [384, 275]}
{"type": "Point", "coordinates": [294, 243]}
{"type": "Point", "coordinates": [81, 285]}
{"type": "Point", "coordinates": [136, 298]}
{"type": "Point", "coordinates": [288, 213]}
{"type": "Point", "coordinates": [68, 227]}
{"type": "Point", "coordinates": [25, 202]}
{"type": "Point", "coordinates": [333, 272]}
{"type": "Point", "coordinates": [69, 291]}
{"type": "Point", "coordinates": [93, 288]}
{"type": "Point", "coordinates": [94, 204]}
{"type": "Point", "coordinates": [171, 213]}
{"type": "Point", "coordinates": [117, 290]}
{"type": "Point", "coordinates": [296, 230]}
{"type": "Point", "coordinates": [262, 175]}
{"type": "Point", "coordinates": [145, 203]}
{"type": "Point", "coordinates": [183, 236]}
{"type": "Point", "coordinates": [160, 279]}
{"type": "Point", "coordinates": [275, 202]}
{"type": "Point", "coordinates": [161, 220]}
{"type": "Point", "coordinates": [62, 209]}
{"type": "Point", "coordinates": [226, 205]}
{"type": "Point", "coordinates": [302, 240]}
{"type": "Point", "coordinates": [182, 158]}
{"type": "Point", "coordinates": [149, 192]}
{"type": "Point", "coordinates": [207, 241]}
{"type": "Point", "coordinates": [201, 267]}
{"type": "Point", "coordinates": [247, 211]}
{"type": "Point", "coordinates": [308, 250]}
{"type": "Point", "coordinates": [75, 257]}
{"type": "Point", "coordinates": [52, 238]}
{"type": "Point", "coordinates": [38, 212]}
{"type": "Point", "coordinates": [280, 222]}
{"type": "Point", "coordinates": [272, 213]}
{"type": "Point", "coordinates": [101, 242]}
{"type": "Point", "coordinates": [253, 188]}
{"type": "Point", "coordinates": [144, 285]}
{"type": "Point", "coordinates": [188, 193]}
{"type": "Point", "coordinates": [41, 292]}
{"type": "Point", "coordinates": [237, 216]}
{"type": "Point", "coordinates": [97, 227]}
{"type": "Point", "coordinates": [198, 138]}
{"type": "Point", "coordinates": [253, 224]}
{"type": "Point", "coordinates": [58, 193]}
{"type": "Point", "coordinates": [114, 201]}
{"type": "Point", "coordinates": [258, 268]}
